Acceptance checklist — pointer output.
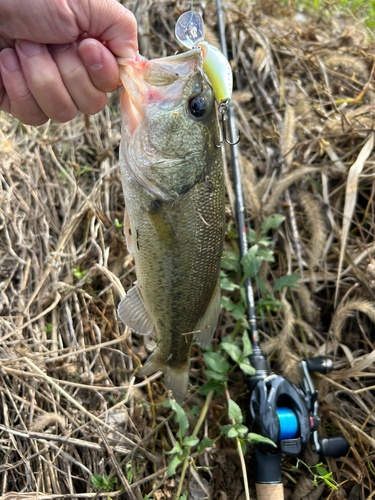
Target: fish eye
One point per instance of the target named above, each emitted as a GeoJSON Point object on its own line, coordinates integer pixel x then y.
{"type": "Point", "coordinates": [197, 106]}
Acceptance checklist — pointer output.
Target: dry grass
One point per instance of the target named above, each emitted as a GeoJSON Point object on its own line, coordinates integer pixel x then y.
{"type": "Point", "coordinates": [71, 405]}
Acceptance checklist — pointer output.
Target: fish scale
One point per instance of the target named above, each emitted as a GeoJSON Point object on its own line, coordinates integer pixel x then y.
{"type": "Point", "coordinates": [172, 177]}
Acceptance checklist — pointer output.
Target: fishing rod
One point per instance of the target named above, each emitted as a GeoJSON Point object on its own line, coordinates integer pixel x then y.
{"type": "Point", "coordinates": [282, 411]}
{"type": "Point", "coordinates": [258, 360]}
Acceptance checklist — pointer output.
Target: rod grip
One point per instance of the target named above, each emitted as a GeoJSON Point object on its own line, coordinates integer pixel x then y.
{"type": "Point", "coordinates": [270, 491]}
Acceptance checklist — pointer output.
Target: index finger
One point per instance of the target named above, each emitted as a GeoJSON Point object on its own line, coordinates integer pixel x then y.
{"type": "Point", "coordinates": [110, 22]}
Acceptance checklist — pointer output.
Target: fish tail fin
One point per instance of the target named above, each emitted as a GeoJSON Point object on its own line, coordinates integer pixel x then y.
{"type": "Point", "coordinates": [176, 378]}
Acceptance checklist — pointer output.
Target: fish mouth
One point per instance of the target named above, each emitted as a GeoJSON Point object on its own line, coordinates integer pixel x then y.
{"type": "Point", "coordinates": [158, 81]}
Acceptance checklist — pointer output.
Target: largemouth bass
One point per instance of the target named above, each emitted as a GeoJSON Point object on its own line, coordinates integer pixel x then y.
{"type": "Point", "coordinates": [172, 177]}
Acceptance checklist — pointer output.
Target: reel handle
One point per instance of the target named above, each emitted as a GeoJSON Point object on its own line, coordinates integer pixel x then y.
{"type": "Point", "coordinates": [319, 364]}
{"type": "Point", "coordinates": [334, 446]}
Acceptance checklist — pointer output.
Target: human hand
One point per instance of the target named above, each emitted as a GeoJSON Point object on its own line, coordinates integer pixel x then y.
{"type": "Point", "coordinates": [58, 56]}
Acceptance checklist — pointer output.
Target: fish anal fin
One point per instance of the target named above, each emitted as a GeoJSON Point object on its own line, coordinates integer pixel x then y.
{"type": "Point", "coordinates": [133, 313]}
{"type": "Point", "coordinates": [162, 226]}
{"type": "Point", "coordinates": [206, 326]}
{"type": "Point", "coordinates": [176, 378]}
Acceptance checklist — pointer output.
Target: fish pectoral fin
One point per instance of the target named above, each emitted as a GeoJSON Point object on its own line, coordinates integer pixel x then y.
{"type": "Point", "coordinates": [162, 226]}
{"type": "Point", "coordinates": [206, 326]}
{"type": "Point", "coordinates": [176, 378]}
{"type": "Point", "coordinates": [133, 313]}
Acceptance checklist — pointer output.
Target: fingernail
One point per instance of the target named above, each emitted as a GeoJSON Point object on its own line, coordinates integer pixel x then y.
{"type": "Point", "coordinates": [55, 48]}
{"type": "Point", "coordinates": [30, 49]}
{"type": "Point", "coordinates": [91, 55]}
{"type": "Point", "coordinates": [10, 60]}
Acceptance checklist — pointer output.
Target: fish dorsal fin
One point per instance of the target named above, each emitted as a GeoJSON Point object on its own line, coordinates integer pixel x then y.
{"type": "Point", "coordinates": [206, 326]}
{"type": "Point", "coordinates": [133, 313]}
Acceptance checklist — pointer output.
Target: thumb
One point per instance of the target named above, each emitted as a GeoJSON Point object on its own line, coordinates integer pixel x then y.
{"type": "Point", "coordinates": [110, 22]}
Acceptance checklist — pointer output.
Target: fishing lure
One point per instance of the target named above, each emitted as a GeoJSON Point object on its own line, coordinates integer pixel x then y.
{"type": "Point", "coordinates": [190, 33]}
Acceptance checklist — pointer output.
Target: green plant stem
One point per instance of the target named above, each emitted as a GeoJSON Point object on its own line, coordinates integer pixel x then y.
{"type": "Point", "coordinates": [243, 466]}
{"type": "Point", "coordinates": [202, 416]}
{"type": "Point", "coordinates": [242, 459]}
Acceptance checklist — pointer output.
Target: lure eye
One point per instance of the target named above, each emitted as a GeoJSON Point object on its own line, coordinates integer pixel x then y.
{"type": "Point", "coordinates": [197, 106]}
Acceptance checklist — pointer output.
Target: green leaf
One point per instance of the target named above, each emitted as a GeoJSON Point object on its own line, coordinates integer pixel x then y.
{"type": "Point", "coordinates": [193, 411]}
{"type": "Point", "coordinates": [183, 497]}
{"type": "Point", "coordinates": [330, 483]}
{"type": "Point", "coordinates": [106, 480]}
{"type": "Point", "coordinates": [212, 385]}
{"type": "Point", "coordinates": [251, 262]}
{"type": "Point", "coordinates": [232, 433]}
{"type": "Point", "coordinates": [257, 438]}
{"type": "Point", "coordinates": [231, 261]}
{"type": "Point", "coordinates": [225, 428]}
{"type": "Point", "coordinates": [266, 254]}
{"type": "Point", "coordinates": [181, 418]}
{"type": "Point", "coordinates": [265, 242]}
{"type": "Point", "coordinates": [233, 350]}
{"type": "Point", "coordinates": [238, 311]}
{"type": "Point", "coordinates": [242, 430]}
{"type": "Point", "coordinates": [205, 443]}
{"type": "Point", "coordinates": [173, 464]}
{"type": "Point", "coordinates": [221, 377]}
{"type": "Point", "coordinates": [321, 471]}
{"type": "Point", "coordinates": [246, 367]}
{"type": "Point", "coordinates": [271, 222]}
{"type": "Point", "coordinates": [243, 447]}
{"type": "Point", "coordinates": [226, 283]}
{"type": "Point", "coordinates": [175, 449]}
{"type": "Point", "coordinates": [252, 236]}
{"type": "Point", "coordinates": [227, 303]}
{"type": "Point", "coordinates": [273, 303]}
{"type": "Point", "coordinates": [97, 480]}
{"type": "Point", "coordinates": [234, 411]}
{"type": "Point", "coordinates": [216, 362]}
{"type": "Point", "coordinates": [190, 441]}
{"type": "Point", "coordinates": [247, 347]}
{"type": "Point", "coordinates": [289, 280]}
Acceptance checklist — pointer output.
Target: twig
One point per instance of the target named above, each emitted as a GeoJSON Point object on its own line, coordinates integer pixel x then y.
{"type": "Point", "coordinates": [116, 466]}
{"type": "Point", "coordinates": [75, 403]}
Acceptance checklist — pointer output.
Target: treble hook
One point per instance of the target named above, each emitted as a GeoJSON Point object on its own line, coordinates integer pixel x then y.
{"type": "Point", "coordinates": [223, 108]}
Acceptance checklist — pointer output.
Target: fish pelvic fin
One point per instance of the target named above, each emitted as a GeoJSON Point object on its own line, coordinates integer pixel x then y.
{"type": "Point", "coordinates": [206, 326]}
{"type": "Point", "coordinates": [133, 313]}
{"type": "Point", "coordinates": [176, 378]}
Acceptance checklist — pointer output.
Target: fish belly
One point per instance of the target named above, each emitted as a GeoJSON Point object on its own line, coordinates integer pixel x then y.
{"type": "Point", "coordinates": [177, 249]}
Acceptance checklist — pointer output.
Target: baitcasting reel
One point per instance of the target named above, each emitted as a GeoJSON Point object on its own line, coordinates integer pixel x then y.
{"type": "Point", "coordinates": [288, 414]}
